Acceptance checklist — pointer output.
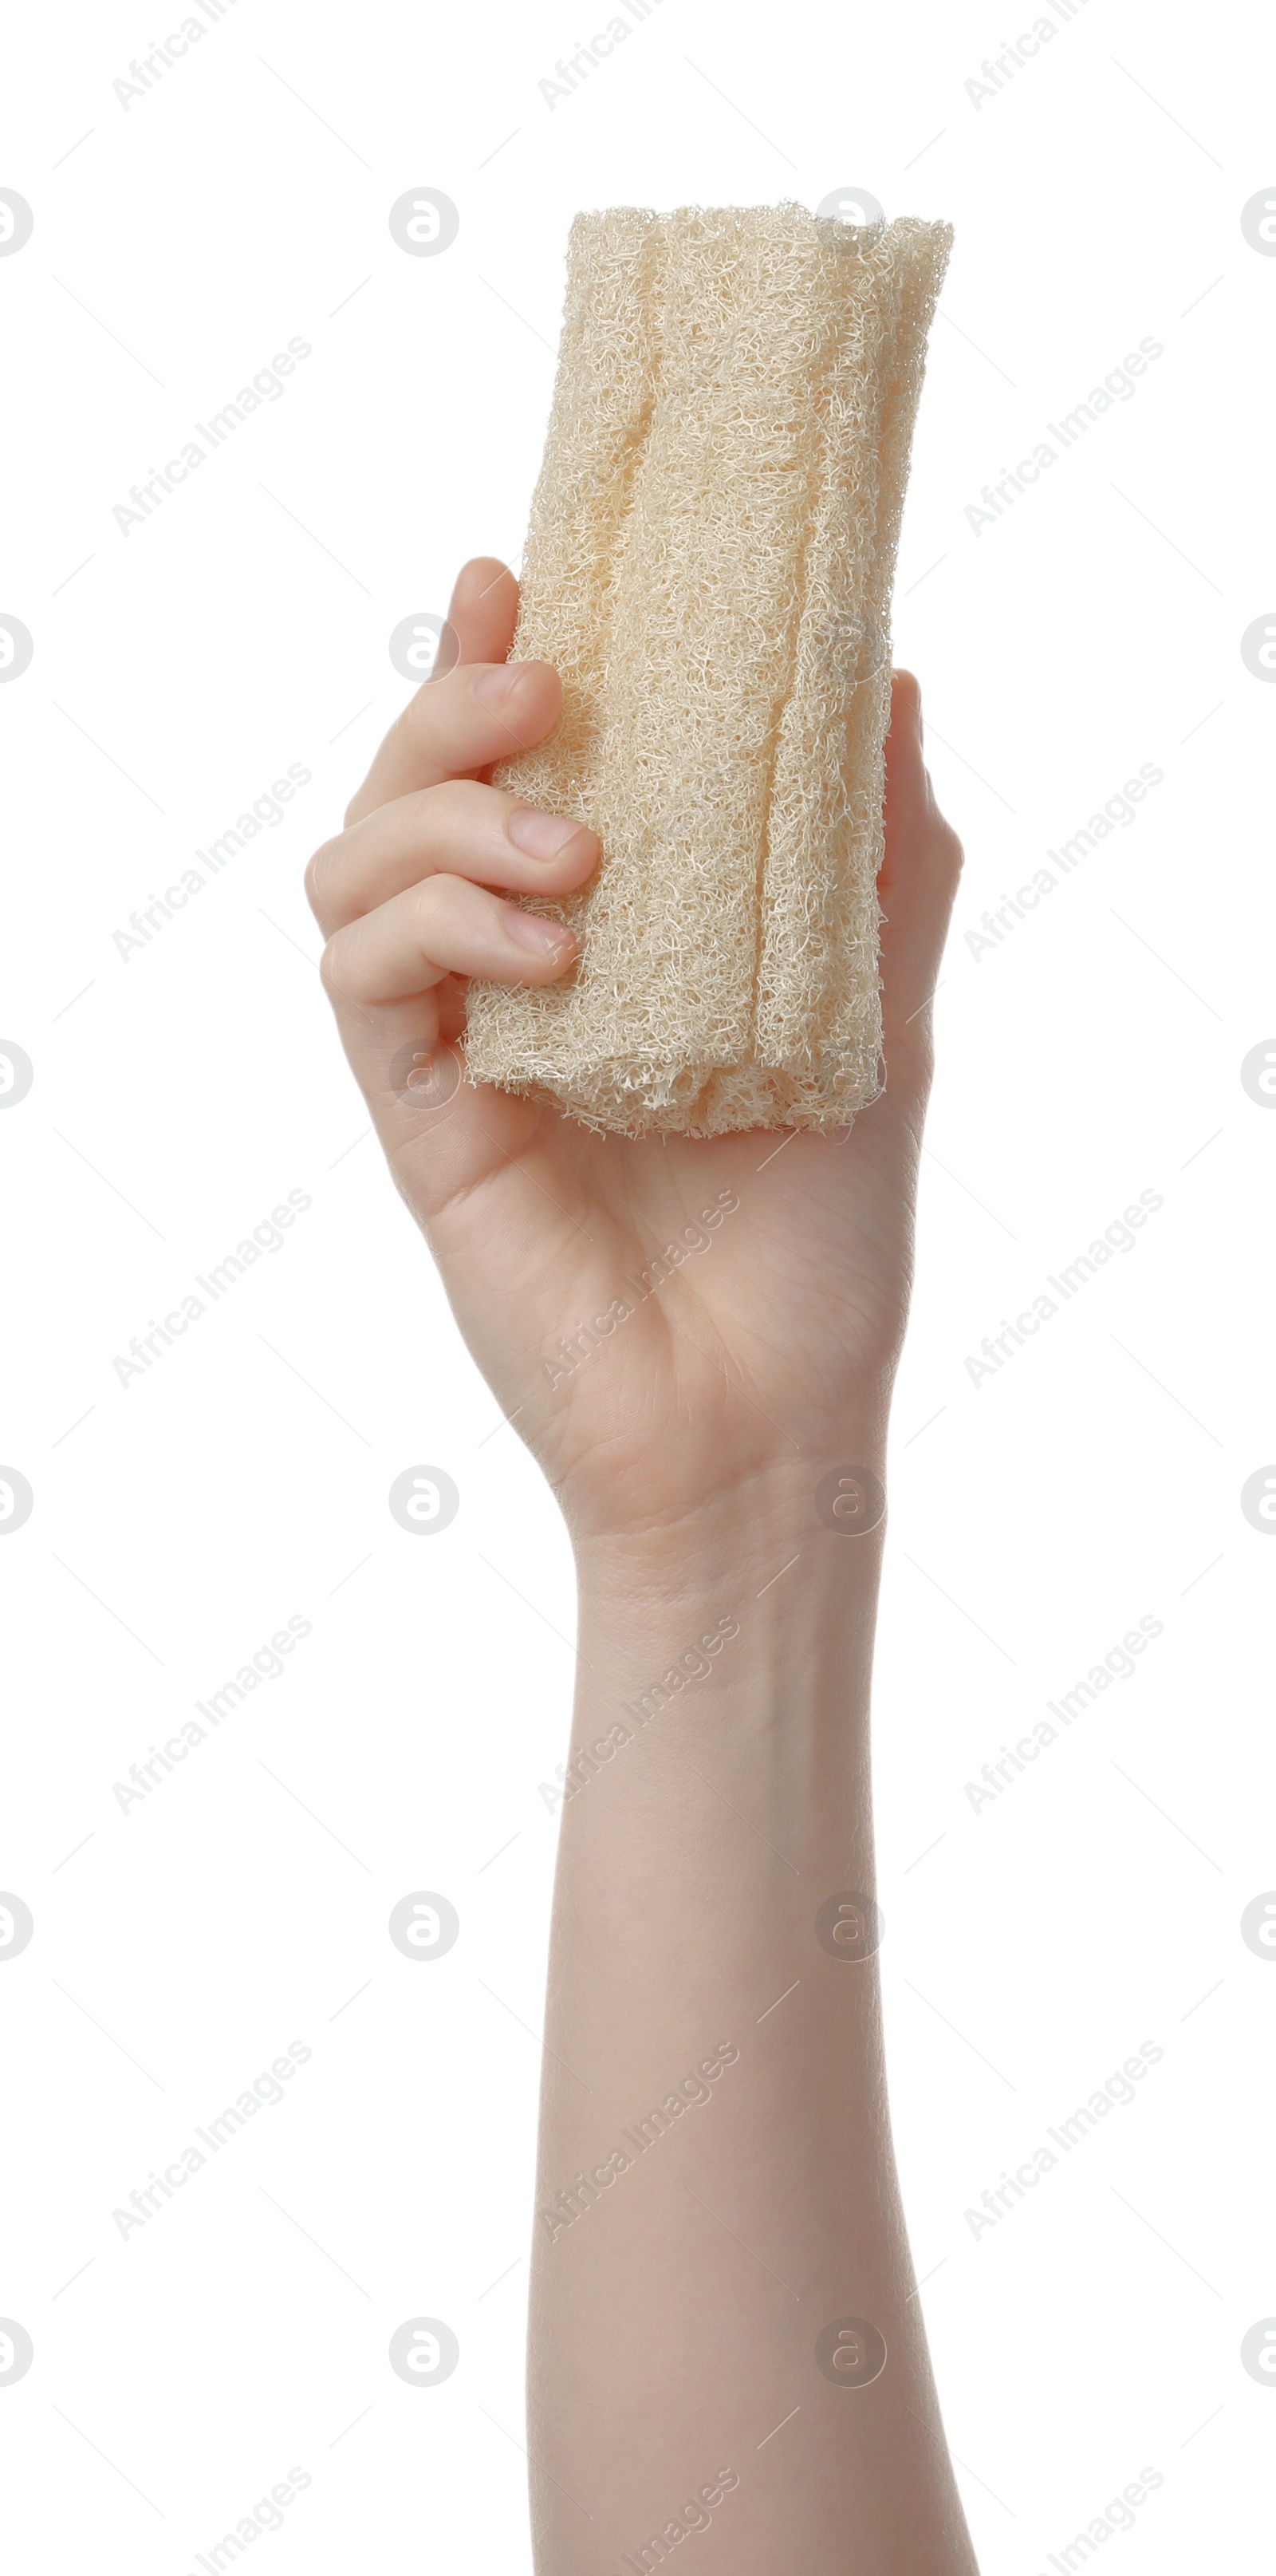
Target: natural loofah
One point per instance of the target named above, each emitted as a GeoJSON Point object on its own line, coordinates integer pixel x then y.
{"type": "Point", "coordinates": [709, 568]}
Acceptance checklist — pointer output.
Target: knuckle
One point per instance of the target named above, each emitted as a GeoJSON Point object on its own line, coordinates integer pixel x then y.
{"type": "Point", "coordinates": [450, 806]}
{"type": "Point", "coordinates": [318, 867]}
{"type": "Point", "coordinates": [953, 849]}
{"type": "Point", "coordinates": [418, 726]}
{"type": "Point", "coordinates": [431, 908]}
{"type": "Point", "coordinates": [334, 966]}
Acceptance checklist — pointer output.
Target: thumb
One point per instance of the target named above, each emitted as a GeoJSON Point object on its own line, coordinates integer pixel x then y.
{"type": "Point", "coordinates": [917, 886]}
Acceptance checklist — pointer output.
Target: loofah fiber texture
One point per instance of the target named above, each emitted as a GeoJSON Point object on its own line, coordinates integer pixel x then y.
{"type": "Point", "coordinates": [709, 566]}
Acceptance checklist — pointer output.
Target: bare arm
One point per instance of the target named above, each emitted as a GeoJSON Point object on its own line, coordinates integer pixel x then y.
{"type": "Point", "coordinates": [723, 2319]}
{"type": "Point", "coordinates": [721, 2276]}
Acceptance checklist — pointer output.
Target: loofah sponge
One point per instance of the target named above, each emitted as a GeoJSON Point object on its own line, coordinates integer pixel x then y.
{"type": "Point", "coordinates": [709, 567]}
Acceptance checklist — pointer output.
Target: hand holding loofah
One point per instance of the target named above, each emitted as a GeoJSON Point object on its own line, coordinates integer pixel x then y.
{"type": "Point", "coordinates": [709, 567]}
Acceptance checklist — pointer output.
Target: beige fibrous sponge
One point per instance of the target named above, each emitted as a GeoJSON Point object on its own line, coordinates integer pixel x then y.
{"type": "Point", "coordinates": [708, 567]}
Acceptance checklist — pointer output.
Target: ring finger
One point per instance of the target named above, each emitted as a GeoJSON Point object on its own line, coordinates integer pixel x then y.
{"type": "Point", "coordinates": [444, 926]}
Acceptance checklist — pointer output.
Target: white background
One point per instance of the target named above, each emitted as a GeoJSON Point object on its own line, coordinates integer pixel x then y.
{"type": "Point", "coordinates": [182, 1518]}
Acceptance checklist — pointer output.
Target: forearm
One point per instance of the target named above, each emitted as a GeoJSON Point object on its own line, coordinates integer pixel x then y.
{"type": "Point", "coordinates": [687, 2261]}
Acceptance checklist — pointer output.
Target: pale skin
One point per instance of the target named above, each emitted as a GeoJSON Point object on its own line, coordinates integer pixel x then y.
{"type": "Point", "coordinates": [677, 2303]}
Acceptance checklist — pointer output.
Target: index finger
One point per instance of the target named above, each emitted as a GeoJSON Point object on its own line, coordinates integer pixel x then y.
{"type": "Point", "coordinates": [446, 730]}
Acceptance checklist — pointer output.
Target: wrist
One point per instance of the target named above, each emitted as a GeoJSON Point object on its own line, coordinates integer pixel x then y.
{"type": "Point", "coordinates": [752, 1621]}
{"type": "Point", "coordinates": [818, 1515]}
{"type": "Point", "coordinates": [724, 1681]}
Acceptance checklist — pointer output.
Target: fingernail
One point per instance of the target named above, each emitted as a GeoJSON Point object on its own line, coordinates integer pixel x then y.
{"type": "Point", "coordinates": [529, 930]}
{"type": "Point", "coordinates": [540, 835]}
{"type": "Point", "coordinates": [493, 686]}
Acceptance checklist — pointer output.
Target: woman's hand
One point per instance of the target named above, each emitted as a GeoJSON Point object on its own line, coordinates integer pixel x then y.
{"type": "Point", "coordinates": [776, 1336]}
